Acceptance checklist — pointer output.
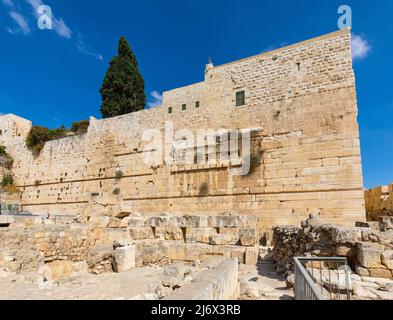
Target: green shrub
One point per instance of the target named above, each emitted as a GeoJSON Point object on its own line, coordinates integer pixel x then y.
{"type": "Point", "coordinates": [3, 152]}
{"type": "Point", "coordinates": [204, 189]}
{"type": "Point", "coordinates": [116, 191]}
{"type": "Point", "coordinates": [119, 174]}
{"type": "Point", "coordinates": [8, 180]}
{"type": "Point", "coordinates": [38, 136]}
{"type": "Point", "coordinates": [80, 127]}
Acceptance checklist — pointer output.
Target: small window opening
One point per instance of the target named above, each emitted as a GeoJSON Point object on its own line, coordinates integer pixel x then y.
{"type": "Point", "coordinates": [184, 107]}
{"type": "Point", "coordinates": [240, 98]}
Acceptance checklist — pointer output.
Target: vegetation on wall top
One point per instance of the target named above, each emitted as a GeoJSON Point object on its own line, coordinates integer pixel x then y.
{"type": "Point", "coordinates": [123, 88]}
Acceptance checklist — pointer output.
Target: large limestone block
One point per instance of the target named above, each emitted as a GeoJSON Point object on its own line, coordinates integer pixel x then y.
{"type": "Point", "coordinates": [175, 250]}
{"type": "Point", "coordinates": [251, 257]}
{"type": "Point", "coordinates": [199, 235]}
{"type": "Point", "coordinates": [62, 270]}
{"type": "Point", "coordinates": [169, 233]}
{"type": "Point", "coordinates": [344, 235]}
{"type": "Point", "coordinates": [143, 233]}
{"type": "Point", "coordinates": [387, 259]}
{"type": "Point", "coordinates": [248, 237]}
{"type": "Point", "coordinates": [369, 256]}
{"type": "Point", "coordinates": [149, 252]}
{"type": "Point", "coordinates": [380, 273]}
{"type": "Point", "coordinates": [124, 258]}
{"type": "Point", "coordinates": [223, 239]}
{"type": "Point", "coordinates": [99, 254]}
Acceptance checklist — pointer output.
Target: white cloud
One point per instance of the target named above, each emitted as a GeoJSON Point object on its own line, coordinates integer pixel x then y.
{"type": "Point", "coordinates": [84, 48]}
{"type": "Point", "coordinates": [156, 99]}
{"type": "Point", "coordinates": [360, 47]}
{"type": "Point", "coordinates": [20, 21]}
{"type": "Point", "coordinates": [8, 3]}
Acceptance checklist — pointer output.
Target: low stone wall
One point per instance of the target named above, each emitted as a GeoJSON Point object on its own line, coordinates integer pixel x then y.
{"type": "Point", "coordinates": [220, 281]}
{"type": "Point", "coordinates": [62, 246]}
{"type": "Point", "coordinates": [368, 247]}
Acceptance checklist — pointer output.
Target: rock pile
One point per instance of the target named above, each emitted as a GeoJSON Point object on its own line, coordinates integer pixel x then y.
{"type": "Point", "coordinates": [367, 247]}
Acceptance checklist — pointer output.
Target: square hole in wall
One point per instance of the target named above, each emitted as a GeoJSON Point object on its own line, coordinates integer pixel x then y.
{"type": "Point", "coordinates": [184, 107]}
{"type": "Point", "coordinates": [197, 104]}
{"type": "Point", "coordinates": [170, 110]}
{"type": "Point", "coordinates": [240, 98]}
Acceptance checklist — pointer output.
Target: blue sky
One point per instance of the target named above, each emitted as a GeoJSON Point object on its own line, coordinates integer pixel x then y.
{"type": "Point", "coordinates": [52, 77]}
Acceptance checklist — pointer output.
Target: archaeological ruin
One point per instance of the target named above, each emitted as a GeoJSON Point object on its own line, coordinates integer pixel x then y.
{"type": "Point", "coordinates": [90, 204]}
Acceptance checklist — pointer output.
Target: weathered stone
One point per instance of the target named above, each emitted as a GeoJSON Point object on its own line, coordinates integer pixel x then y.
{"type": "Point", "coordinates": [369, 256]}
{"type": "Point", "coordinates": [380, 273]}
{"type": "Point", "coordinates": [223, 239]}
{"type": "Point", "coordinates": [62, 270]}
{"type": "Point", "coordinates": [387, 259]}
{"type": "Point", "coordinates": [345, 251]}
{"type": "Point", "coordinates": [251, 257]}
{"type": "Point", "coordinates": [344, 235]}
{"type": "Point", "coordinates": [169, 233]}
{"type": "Point", "coordinates": [248, 237]}
{"type": "Point", "coordinates": [142, 233]}
{"type": "Point", "coordinates": [124, 258]}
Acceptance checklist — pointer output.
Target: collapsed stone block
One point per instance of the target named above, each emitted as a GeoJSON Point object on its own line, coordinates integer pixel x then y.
{"type": "Point", "coordinates": [149, 252]}
{"type": "Point", "coordinates": [251, 257]}
{"type": "Point", "coordinates": [223, 239]}
{"type": "Point", "coordinates": [142, 233]}
{"type": "Point", "coordinates": [124, 258]}
{"type": "Point", "coordinates": [199, 235]}
{"type": "Point", "coordinates": [175, 250]}
{"type": "Point", "coordinates": [198, 252]}
{"type": "Point", "coordinates": [169, 233]}
{"type": "Point", "coordinates": [380, 273]}
{"type": "Point", "coordinates": [387, 259]}
{"type": "Point", "coordinates": [344, 235]}
{"type": "Point", "coordinates": [62, 270]}
{"type": "Point", "coordinates": [369, 256]}
{"type": "Point", "coordinates": [248, 237]}
{"type": "Point", "coordinates": [100, 258]}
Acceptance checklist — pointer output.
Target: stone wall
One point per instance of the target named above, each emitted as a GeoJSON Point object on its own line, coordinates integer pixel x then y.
{"type": "Point", "coordinates": [368, 248]}
{"type": "Point", "coordinates": [64, 243]}
{"type": "Point", "coordinates": [301, 100]}
{"type": "Point", "coordinates": [379, 202]}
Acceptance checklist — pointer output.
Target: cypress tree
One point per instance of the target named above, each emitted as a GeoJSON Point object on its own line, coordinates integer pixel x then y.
{"type": "Point", "coordinates": [123, 88]}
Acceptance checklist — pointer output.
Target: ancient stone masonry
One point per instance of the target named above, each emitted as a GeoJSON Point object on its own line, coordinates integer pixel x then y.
{"type": "Point", "coordinates": [368, 247]}
{"type": "Point", "coordinates": [299, 100]}
{"type": "Point", "coordinates": [379, 202]}
{"type": "Point", "coordinates": [63, 246]}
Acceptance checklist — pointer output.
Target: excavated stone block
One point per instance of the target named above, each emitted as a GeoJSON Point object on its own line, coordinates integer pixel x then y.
{"type": "Point", "coordinates": [251, 257]}
{"type": "Point", "coordinates": [387, 259]}
{"type": "Point", "coordinates": [369, 256]}
{"type": "Point", "coordinates": [124, 258]}
{"type": "Point", "coordinates": [199, 235]}
{"type": "Point", "coordinates": [248, 237]}
{"type": "Point", "coordinates": [142, 233]}
{"type": "Point", "coordinates": [223, 239]}
{"type": "Point", "coordinates": [380, 273]}
{"type": "Point", "coordinates": [169, 233]}
{"type": "Point", "coordinates": [344, 235]}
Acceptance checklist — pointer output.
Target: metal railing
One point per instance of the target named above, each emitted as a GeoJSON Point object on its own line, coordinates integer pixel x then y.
{"type": "Point", "coordinates": [322, 278]}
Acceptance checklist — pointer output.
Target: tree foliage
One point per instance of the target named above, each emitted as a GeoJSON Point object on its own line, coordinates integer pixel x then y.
{"type": "Point", "coordinates": [123, 88]}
